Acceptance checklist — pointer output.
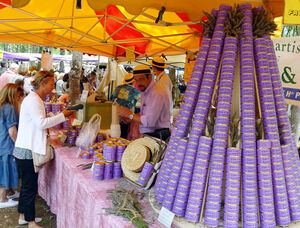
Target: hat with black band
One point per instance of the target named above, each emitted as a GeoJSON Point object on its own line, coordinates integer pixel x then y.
{"type": "Point", "coordinates": [141, 69]}
{"type": "Point", "coordinates": [158, 62]}
{"type": "Point", "coordinates": [128, 79]}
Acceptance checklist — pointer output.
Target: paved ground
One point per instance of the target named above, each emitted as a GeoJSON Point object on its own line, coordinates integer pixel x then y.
{"type": "Point", "coordinates": [9, 216]}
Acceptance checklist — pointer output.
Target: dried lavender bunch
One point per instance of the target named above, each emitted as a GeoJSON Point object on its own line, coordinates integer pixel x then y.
{"type": "Point", "coordinates": [209, 24]}
{"type": "Point", "coordinates": [234, 131]}
{"type": "Point", "coordinates": [234, 22]}
{"type": "Point", "coordinates": [126, 205]}
{"type": "Point", "coordinates": [259, 129]}
{"type": "Point", "coordinates": [263, 23]}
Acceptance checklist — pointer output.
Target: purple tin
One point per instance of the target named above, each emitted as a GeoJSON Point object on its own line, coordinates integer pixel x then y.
{"type": "Point", "coordinates": [108, 171]}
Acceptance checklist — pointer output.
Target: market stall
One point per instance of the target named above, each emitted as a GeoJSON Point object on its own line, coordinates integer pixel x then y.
{"type": "Point", "coordinates": [76, 198]}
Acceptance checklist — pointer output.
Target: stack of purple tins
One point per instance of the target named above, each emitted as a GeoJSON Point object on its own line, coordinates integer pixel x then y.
{"type": "Point", "coordinates": [185, 179]}
{"type": "Point", "coordinates": [291, 171]}
{"type": "Point", "coordinates": [108, 170]}
{"type": "Point", "coordinates": [57, 108]}
{"type": "Point", "coordinates": [269, 169]}
{"type": "Point", "coordinates": [195, 199]}
{"type": "Point", "coordinates": [186, 110]}
{"type": "Point", "coordinates": [266, 198]}
{"type": "Point", "coordinates": [48, 107]}
{"type": "Point", "coordinates": [109, 152]}
{"type": "Point", "coordinates": [98, 172]}
{"type": "Point", "coordinates": [166, 170]}
{"type": "Point", "coordinates": [66, 124]}
{"type": "Point", "coordinates": [145, 174]}
{"type": "Point", "coordinates": [232, 187]}
{"type": "Point", "coordinates": [86, 155]}
{"type": "Point", "coordinates": [117, 170]}
{"type": "Point", "coordinates": [217, 161]}
{"type": "Point", "coordinates": [248, 122]}
{"type": "Point", "coordinates": [279, 186]}
{"type": "Point", "coordinates": [120, 150]}
{"type": "Point", "coordinates": [172, 183]}
{"type": "Point", "coordinates": [271, 131]}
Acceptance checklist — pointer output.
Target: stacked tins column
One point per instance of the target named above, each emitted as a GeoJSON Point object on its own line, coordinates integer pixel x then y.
{"type": "Point", "coordinates": [289, 151]}
{"type": "Point", "coordinates": [282, 116]}
{"type": "Point", "coordinates": [201, 111]}
{"type": "Point", "coordinates": [185, 115]}
{"type": "Point", "coordinates": [266, 199]}
{"type": "Point", "coordinates": [248, 128]}
{"type": "Point", "coordinates": [220, 137]}
{"type": "Point", "coordinates": [271, 131]}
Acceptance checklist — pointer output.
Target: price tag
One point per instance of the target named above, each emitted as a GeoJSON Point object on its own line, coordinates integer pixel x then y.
{"type": "Point", "coordinates": [78, 153]}
{"type": "Point", "coordinates": [76, 122]}
{"type": "Point", "coordinates": [166, 217]}
{"type": "Point", "coordinates": [84, 95]}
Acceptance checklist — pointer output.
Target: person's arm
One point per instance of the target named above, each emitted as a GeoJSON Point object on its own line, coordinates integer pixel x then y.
{"type": "Point", "coordinates": [13, 133]}
{"type": "Point", "coordinates": [37, 115]}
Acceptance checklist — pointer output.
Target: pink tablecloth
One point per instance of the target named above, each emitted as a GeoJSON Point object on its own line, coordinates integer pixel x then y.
{"type": "Point", "coordinates": [73, 195]}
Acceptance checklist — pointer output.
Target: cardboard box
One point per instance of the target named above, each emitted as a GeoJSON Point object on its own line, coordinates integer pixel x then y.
{"type": "Point", "coordinates": [89, 109]}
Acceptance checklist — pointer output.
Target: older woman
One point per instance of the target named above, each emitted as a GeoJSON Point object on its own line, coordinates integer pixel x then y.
{"type": "Point", "coordinates": [10, 98]}
{"type": "Point", "coordinates": [32, 137]}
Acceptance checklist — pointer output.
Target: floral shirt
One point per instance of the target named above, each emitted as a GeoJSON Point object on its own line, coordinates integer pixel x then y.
{"type": "Point", "coordinates": [126, 95]}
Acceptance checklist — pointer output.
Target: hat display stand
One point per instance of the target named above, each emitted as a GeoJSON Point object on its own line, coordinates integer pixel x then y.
{"type": "Point", "coordinates": [220, 170]}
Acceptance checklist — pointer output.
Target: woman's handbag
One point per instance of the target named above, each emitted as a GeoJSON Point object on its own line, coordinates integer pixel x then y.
{"type": "Point", "coordinates": [39, 160]}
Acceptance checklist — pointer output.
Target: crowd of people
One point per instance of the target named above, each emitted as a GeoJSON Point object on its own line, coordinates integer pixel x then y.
{"type": "Point", "coordinates": [145, 107]}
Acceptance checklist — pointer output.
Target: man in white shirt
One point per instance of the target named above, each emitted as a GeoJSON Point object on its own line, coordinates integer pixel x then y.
{"type": "Point", "coordinates": [158, 68]}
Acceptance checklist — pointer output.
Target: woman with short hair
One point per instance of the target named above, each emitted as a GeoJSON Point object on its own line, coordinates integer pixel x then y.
{"type": "Point", "coordinates": [32, 137]}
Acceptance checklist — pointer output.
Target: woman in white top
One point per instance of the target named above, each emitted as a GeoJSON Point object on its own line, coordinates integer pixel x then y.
{"type": "Point", "coordinates": [32, 137]}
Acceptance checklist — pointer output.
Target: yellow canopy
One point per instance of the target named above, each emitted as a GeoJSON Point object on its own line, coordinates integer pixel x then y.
{"type": "Point", "coordinates": [104, 29]}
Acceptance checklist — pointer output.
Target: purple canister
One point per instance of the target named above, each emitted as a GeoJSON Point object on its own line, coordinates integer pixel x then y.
{"type": "Point", "coordinates": [109, 152]}
{"type": "Point", "coordinates": [71, 140]}
{"type": "Point", "coordinates": [146, 171]}
{"type": "Point", "coordinates": [98, 172]}
{"type": "Point", "coordinates": [120, 150]}
{"type": "Point", "coordinates": [117, 170]}
{"type": "Point", "coordinates": [86, 155]}
{"type": "Point", "coordinates": [108, 170]}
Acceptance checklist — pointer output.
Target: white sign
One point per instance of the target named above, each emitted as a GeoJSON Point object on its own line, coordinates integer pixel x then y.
{"type": "Point", "coordinates": [166, 217]}
{"type": "Point", "coordinates": [84, 95]}
{"type": "Point", "coordinates": [287, 51]}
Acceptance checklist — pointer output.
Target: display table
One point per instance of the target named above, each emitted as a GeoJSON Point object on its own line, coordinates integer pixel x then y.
{"type": "Point", "coordinates": [73, 195]}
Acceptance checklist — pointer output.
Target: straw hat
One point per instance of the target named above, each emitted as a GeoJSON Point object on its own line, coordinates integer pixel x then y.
{"type": "Point", "coordinates": [141, 69]}
{"type": "Point", "coordinates": [158, 62]}
{"type": "Point", "coordinates": [128, 79]}
{"type": "Point", "coordinates": [143, 144]}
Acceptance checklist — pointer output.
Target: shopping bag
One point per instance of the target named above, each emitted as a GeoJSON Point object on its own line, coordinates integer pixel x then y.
{"type": "Point", "coordinates": [89, 132]}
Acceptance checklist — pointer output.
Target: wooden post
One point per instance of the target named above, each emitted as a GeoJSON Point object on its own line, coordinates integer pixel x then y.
{"type": "Point", "coordinates": [74, 79]}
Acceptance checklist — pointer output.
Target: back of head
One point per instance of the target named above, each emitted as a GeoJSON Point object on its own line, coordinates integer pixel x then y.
{"type": "Point", "coordinates": [8, 94]}
{"type": "Point", "coordinates": [40, 76]}
{"type": "Point", "coordinates": [3, 64]}
{"type": "Point", "coordinates": [14, 66]}
{"type": "Point", "coordinates": [23, 70]}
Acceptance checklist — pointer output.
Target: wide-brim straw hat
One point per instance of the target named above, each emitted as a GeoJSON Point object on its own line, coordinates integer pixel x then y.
{"type": "Point", "coordinates": [128, 79]}
{"type": "Point", "coordinates": [158, 62]}
{"type": "Point", "coordinates": [146, 144]}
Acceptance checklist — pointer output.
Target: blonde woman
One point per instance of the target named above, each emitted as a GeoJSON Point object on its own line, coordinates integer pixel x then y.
{"type": "Point", "coordinates": [32, 137]}
{"type": "Point", "coordinates": [10, 98]}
